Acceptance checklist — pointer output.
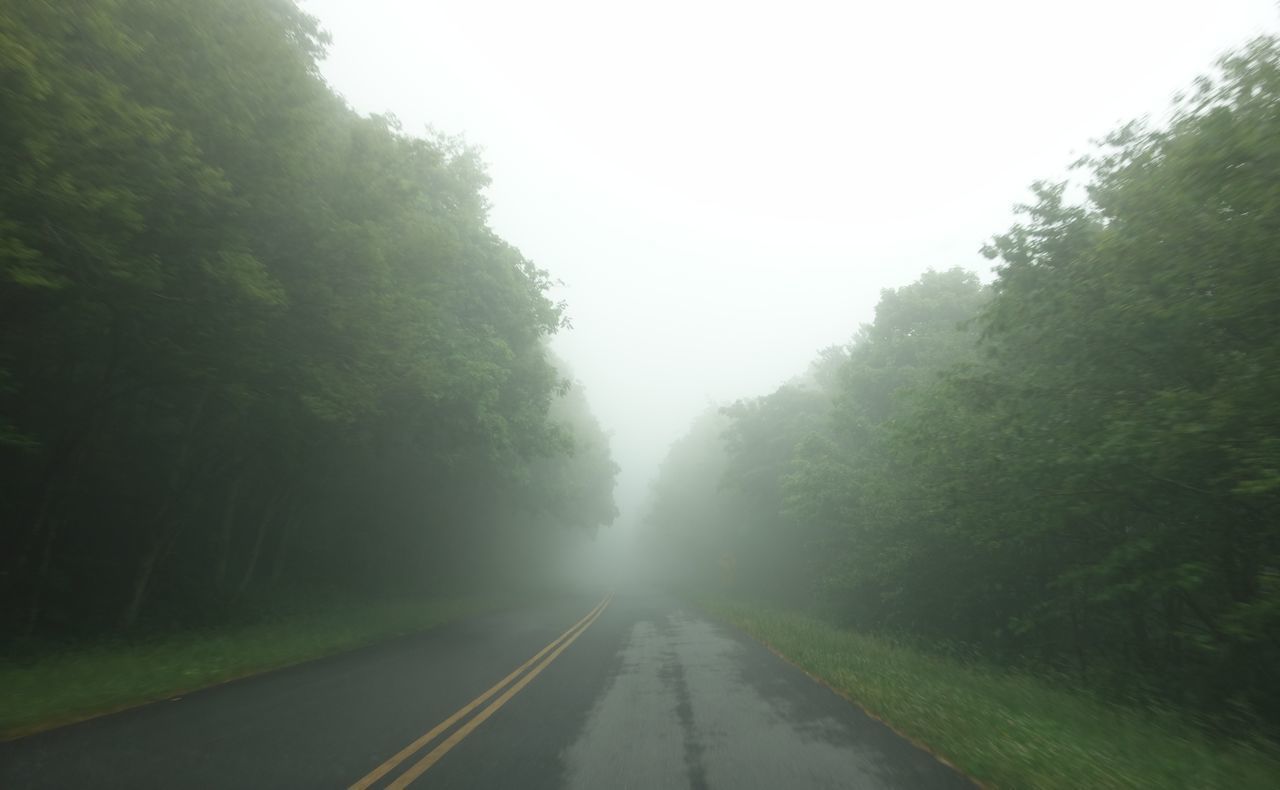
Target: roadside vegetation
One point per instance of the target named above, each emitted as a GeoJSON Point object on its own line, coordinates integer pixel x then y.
{"type": "Point", "coordinates": [1008, 729]}
{"type": "Point", "coordinates": [253, 342]}
{"type": "Point", "coordinates": [49, 687]}
{"type": "Point", "coordinates": [270, 386]}
{"type": "Point", "coordinates": [1072, 470]}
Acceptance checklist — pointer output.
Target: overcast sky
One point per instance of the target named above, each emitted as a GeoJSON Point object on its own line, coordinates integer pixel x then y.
{"type": "Point", "coordinates": [725, 187]}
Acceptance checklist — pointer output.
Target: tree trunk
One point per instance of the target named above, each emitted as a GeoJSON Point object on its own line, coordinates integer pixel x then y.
{"type": "Point", "coordinates": [164, 532]}
{"type": "Point", "coordinates": [282, 544]}
{"type": "Point", "coordinates": [79, 432]}
{"type": "Point", "coordinates": [48, 522]}
{"type": "Point", "coordinates": [224, 535]}
{"type": "Point", "coordinates": [256, 552]}
{"type": "Point", "coordinates": [61, 457]}
{"type": "Point", "coordinates": [37, 594]}
{"type": "Point", "coordinates": [142, 582]}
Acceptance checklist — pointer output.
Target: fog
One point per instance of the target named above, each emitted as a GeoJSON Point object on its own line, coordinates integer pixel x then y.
{"type": "Point", "coordinates": [722, 189]}
{"type": "Point", "coordinates": [934, 347]}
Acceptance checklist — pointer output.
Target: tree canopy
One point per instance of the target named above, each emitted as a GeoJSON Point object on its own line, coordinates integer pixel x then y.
{"type": "Point", "coordinates": [252, 340]}
{"type": "Point", "coordinates": [1078, 464]}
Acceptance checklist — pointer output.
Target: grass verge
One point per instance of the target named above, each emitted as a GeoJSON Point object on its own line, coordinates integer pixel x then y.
{"type": "Point", "coordinates": [62, 688]}
{"type": "Point", "coordinates": [1008, 730]}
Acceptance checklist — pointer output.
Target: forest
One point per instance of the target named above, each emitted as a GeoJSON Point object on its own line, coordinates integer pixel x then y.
{"type": "Point", "coordinates": [255, 347]}
{"type": "Point", "coordinates": [1073, 468]}
{"type": "Point", "coordinates": [258, 348]}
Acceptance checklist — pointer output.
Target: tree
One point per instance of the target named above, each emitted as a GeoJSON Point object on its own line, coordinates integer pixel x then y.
{"type": "Point", "coordinates": [254, 342]}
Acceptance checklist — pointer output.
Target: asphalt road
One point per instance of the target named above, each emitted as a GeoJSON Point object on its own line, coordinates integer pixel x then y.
{"type": "Point", "coordinates": [642, 693]}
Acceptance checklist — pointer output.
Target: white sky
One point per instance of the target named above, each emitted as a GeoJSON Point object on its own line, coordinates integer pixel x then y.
{"type": "Point", "coordinates": [725, 187]}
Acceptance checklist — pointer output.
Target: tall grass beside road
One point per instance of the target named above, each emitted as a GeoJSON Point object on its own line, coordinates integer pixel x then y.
{"type": "Point", "coordinates": [1006, 729]}
{"type": "Point", "coordinates": [52, 688]}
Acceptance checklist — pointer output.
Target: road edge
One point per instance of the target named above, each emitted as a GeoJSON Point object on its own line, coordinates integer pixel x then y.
{"type": "Point", "coordinates": [922, 746]}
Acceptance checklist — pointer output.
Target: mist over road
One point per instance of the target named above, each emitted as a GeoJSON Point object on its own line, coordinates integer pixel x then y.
{"type": "Point", "coordinates": [636, 690]}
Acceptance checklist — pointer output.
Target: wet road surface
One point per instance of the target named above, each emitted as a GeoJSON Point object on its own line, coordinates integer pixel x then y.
{"type": "Point", "coordinates": [642, 693]}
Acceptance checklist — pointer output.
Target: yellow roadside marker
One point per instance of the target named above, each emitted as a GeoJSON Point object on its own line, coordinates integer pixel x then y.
{"type": "Point", "coordinates": [558, 645]}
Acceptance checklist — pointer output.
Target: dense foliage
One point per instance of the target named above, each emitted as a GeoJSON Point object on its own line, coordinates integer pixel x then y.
{"type": "Point", "coordinates": [1078, 465]}
{"type": "Point", "coordinates": [251, 341]}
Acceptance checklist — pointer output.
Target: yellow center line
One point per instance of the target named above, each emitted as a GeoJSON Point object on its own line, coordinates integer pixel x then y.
{"type": "Point", "coordinates": [408, 751]}
{"type": "Point", "coordinates": [453, 740]}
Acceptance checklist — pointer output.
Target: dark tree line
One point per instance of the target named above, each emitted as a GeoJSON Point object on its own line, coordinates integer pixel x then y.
{"type": "Point", "coordinates": [1077, 466]}
{"type": "Point", "coordinates": [252, 342]}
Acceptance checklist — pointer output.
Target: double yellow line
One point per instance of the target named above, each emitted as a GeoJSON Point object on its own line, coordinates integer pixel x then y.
{"type": "Point", "coordinates": [432, 757]}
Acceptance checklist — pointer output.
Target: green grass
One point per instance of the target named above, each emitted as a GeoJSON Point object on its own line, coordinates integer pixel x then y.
{"type": "Point", "coordinates": [73, 685]}
{"type": "Point", "coordinates": [1008, 730]}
